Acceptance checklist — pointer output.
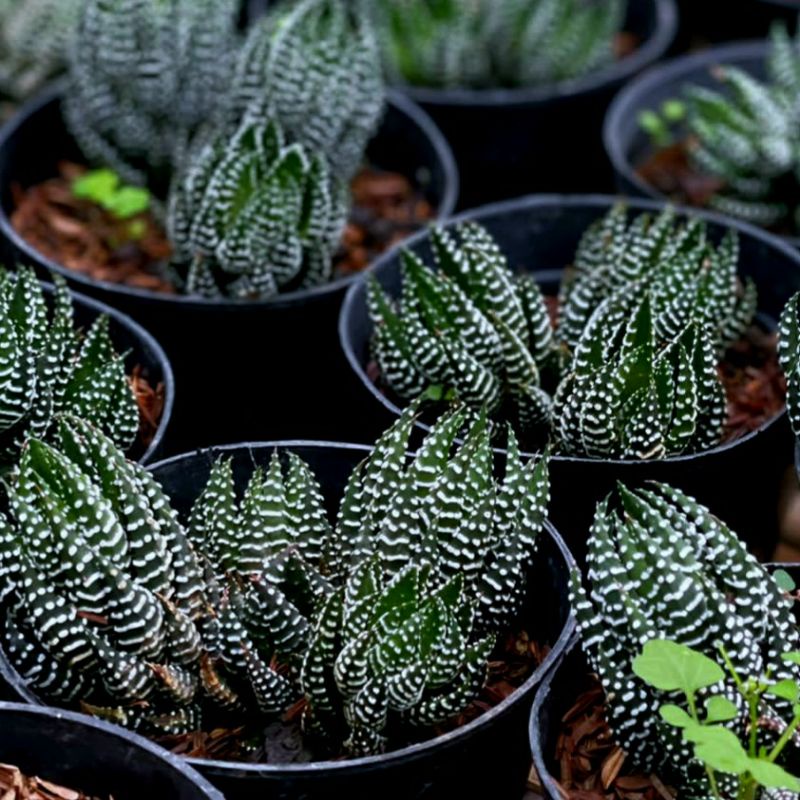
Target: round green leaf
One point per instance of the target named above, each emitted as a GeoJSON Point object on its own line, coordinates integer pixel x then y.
{"type": "Point", "coordinates": [772, 776]}
{"type": "Point", "coordinates": [670, 666]}
{"type": "Point", "coordinates": [720, 709]}
{"type": "Point", "coordinates": [675, 716]}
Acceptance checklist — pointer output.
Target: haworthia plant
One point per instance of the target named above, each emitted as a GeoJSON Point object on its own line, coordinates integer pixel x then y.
{"type": "Point", "coordinates": [628, 370]}
{"type": "Point", "coordinates": [384, 621]}
{"type": "Point", "coordinates": [491, 43]}
{"type": "Point", "coordinates": [251, 216]}
{"type": "Point", "coordinates": [35, 37]}
{"type": "Point", "coordinates": [48, 367]}
{"type": "Point", "coordinates": [746, 135]}
{"type": "Point", "coordinates": [663, 567]}
{"type": "Point", "coordinates": [314, 68]}
{"type": "Point", "coordinates": [144, 76]}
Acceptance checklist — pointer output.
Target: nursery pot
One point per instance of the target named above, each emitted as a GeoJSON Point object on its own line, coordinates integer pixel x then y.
{"type": "Point", "coordinates": [627, 145]}
{"type": "Point", "coordinates": [245, 369]}
{"type": "Point", "coordinates": [488, 757]}
{"type": "Point", "coordinates": [738, 480]}
{"type": "Point", "coordinates": [81, 753]}
{"type": "Point", "coordinates": [510, 142]}
{"type": "Point", "coordinates": [704, 21]}
{"type": "Point", "coordinates": [140, 350]}
{"type": "Point", "coordinates": [557, 694]}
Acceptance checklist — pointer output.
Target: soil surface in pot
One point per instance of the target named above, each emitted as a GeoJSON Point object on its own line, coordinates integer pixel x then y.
{"type": "Point", "coordinates": [754, 383]}
{"type": "Point", "coordinates": [14, 785]}
{"type": "Point", "coordinates": [83, 237]}
{"type": "Point", "coordinates": [670, 171]}
{"type": "Point", "coordinates": [590, 766]}
{"type": "Point", "coordinates": [281, 742]}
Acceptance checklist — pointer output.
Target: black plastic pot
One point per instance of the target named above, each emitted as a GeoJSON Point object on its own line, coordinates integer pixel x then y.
{"type": "Point", "coordinates": [141, 350]}
{"type": "Point", "coordinates": [706, 21]}
{"type": "Point", "coordinates": [97, 758]}
{"type": "Point", "coordinates": [510, 142]}
{"type": "Point", "coordinates": [539, 234]}
{"type": "Point", "coordinates": [244, 369]}
{"type": "Point", "coordinates": [486, 758]}
{"type": "Point", "coordinates": [557, 694]}
{"type": "Point", "coordinates": [627, 145]}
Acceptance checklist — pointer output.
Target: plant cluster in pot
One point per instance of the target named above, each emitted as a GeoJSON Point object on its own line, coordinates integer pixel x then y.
{"type": "Point", "coordinates": [211, 605]}
{"type": "Point", "coordinates": [685, 684]}
{"type": "Point", "coordinates": [637, 296]}
{"type": "Point", "coordinates": [50, 753]}
{"type": "Point", "coordinates": [231, 199]}
{"type": "Point", "coordinates": [511, 84]}
{"type": "Point", "coordinates": [716, 129]}
{"type": "Point", "coordinates": [66, 354]}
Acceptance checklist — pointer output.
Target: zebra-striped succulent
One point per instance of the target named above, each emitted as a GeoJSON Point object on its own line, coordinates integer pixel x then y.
{"type": "Point", "coordinates": [629, 370]}
{"type": "Point", "coordinates": [628, 397]}
{"type": "Point", "coordinates": [489, 43]}
{"type": "Point", "coordinates": [35, 37]}
{"type": "Point", "coordinates": [50, 368]}
{"type": "Point", "coordinates": [666, 568]}
{"type": "Point", "coordinates": [144, 76]}
{"type": "Point", "coordinates": [471, 326]}
{"type": "Point", "coordinates": [688, 277]}
{"type": "Point", "coordinates": [251, 216]}
{"type": "Point", "coordinates": [386, 619]}
{"type": "Point", "coordinates": [746, 135]}
{"type": "Point", "coordinates": [314, 68]}
{"type": "Point", "coordinates": [431, 557]}
{"type": "Point", "coordinates": [789, 355]}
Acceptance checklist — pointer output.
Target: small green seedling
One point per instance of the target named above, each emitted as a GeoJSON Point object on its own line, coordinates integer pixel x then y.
{"type": "Point", "coordinates": [104, 187]}
{"type": "Point", "coordinates": [658, 124]}
{"type": "Point", "coordinates": [673, 667]}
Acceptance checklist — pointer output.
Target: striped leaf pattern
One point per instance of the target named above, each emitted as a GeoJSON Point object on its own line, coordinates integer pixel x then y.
{"type": "Point", "coordinates": [49, 367]}
{"type": "Point", "coordinates": [469, 325]}
{"type": "Point", "coordinates": [314, 68]}
{"type": "Point", "coordinates": [144, 76]}
{"type": "Point", "coordinates": [628, 370]}
{"type": "Point", "coordinates": [251, 215]}
{"type": "Point", "coordinates": [387, 618]}
{"type": "Point", "coordinates": [746, 136]}
{"type": "Point", "coordinates": [490, 43]}
{"type": "Point", "coordinates": [661, 566]}
{"type": "Point", "coordinates": [789, 355]}
{"type": "Point", "coordinates": [35, 37]}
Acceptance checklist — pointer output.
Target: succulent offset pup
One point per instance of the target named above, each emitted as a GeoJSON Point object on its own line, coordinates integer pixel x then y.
{"type": "Point", "coordinates": [629, 370]}
{"type": "Point", "coordinates": [664, 568]}
{"type": "Point", "coordinates": [35, 37]}
{"type": "Point", "coordinates": [48, 367]}
{"type": "Point", "coordinates": [491, 43]}
{"type": "Point", "coordinates": [385, 620]}
{"type": "Point", "coordinates": [144, 76]}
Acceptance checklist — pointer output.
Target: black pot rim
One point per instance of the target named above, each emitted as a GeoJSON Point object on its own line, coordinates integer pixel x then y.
{"type": "Point", "coordinates": [148, 341]}
{"type": "Point", "coordinates": [677, 71]}
{"type": "Point", "coordinates": [650, 51]}
{"type": "Point", "coordinates": [412, 752]}
{"type": "Point", "coordinates": [534, 727]}
{"type": "Point", "coordinates": [396, 99]}
{"type": "Point", "coordinates": [174, 762]}
{"type": "Point", "coordinates": [353, 297]}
